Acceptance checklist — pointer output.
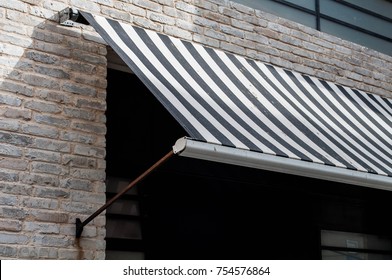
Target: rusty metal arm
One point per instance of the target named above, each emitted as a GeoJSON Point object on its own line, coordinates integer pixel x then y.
{"type": "Point", "coordinates": [80, 225]}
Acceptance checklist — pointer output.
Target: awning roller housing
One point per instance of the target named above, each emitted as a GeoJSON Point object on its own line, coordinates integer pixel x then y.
{"type": "Point", "coordinates": [201, 150]}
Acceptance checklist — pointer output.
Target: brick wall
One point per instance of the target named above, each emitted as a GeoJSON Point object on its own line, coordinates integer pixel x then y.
{"type": "Point", "coordinates": [52, 102]}
{"type": "Point", "coordinates": [52, 134]}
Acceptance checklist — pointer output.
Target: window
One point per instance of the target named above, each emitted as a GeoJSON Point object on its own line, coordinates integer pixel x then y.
{"type": "Point", "coordinates": [368, 23]}
{"type": "Point", "coordinates": [140, 131]}
{"type": "Point", "coordinates": [123, 222]}
{"type": "Point", "coordinates": [339, 245]}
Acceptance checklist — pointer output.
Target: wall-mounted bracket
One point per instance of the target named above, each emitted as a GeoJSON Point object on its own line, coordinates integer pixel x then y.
{"type": "Point", "coordinates": [70, 16]}
{"type": "Point", "coordinates": [79, 227]}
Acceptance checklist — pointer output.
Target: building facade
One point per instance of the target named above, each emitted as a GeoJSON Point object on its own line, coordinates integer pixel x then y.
{"type": "Point", "coordinates": [54, 96]}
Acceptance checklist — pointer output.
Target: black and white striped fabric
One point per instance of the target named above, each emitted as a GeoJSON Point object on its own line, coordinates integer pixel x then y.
{"type": "Point", "coordinates": [226, 99]}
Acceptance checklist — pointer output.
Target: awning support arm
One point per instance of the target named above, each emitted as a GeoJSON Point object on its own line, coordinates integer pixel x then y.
{"type": "Point", "coordinates": [80, 225]}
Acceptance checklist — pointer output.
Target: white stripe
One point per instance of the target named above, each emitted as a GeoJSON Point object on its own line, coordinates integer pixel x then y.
{"type": "Point", "coordinates": [223, 96]}
{"type": "Point", "coordinates": [240, 95]}
{"type": "Point", "coordinates": [382, 101]}
{"type": "Point", "coordinates": [180, 89]}
{"type": "Point", "coordinates": [354, 119]}
{"type": "Point", "coordinates": [328, 108]}
{"type": "Point", "coordinates": [320, 113]}
{"type": "Point", "coordinates": [387, 112]}
{"type": "Point", "coordinates": [375, 116]}
{"type": "Point", "coordinates": [347, 157]}
{"type": "Point", "coordinates": [360, 114]}
{"type": "Point", "coordinates": [294, 112]}
{"type": "Point", "coordinates": [337, 117]}
{"type": "Point", "coordinates": [282, 118]}
{"type": "Point", "coordinates": [113, 35]}
{"type": "Point", "coordinates": [184, 73]}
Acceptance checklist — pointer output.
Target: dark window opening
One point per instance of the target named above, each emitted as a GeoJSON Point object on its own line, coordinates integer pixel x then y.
{"type": "Point", "coordinates": [140, 131]}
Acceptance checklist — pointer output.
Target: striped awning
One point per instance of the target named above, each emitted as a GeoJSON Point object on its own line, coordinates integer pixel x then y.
{"type": "Point", "coordinates": [228, 100]}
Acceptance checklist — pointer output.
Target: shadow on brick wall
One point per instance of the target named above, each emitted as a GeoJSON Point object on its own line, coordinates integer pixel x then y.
{"type": "Point", "coordinates": [52, 138]}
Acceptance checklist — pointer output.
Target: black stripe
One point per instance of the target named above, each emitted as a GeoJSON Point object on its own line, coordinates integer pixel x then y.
{"type": "Point", "coordinates": [178, 77]}
{"type": "Point", "coordinates": [170, 107]}
{"type": "Point", "coordinates": [308, 118]}
{"type": "Point", "coordinates": [337, 110]}
{"type": "Point", "coordinates": [353, 129]}
{"type": "Point", "coordinates": [266, 111]}
{"type": "Point", "coordinates": [293, 119]}
{"type": "Point", "coordinates": [369, 117]}
{"type": "Point", "coordinates": [382, 103]}
{"type": "Point", "coordinates": [388, 102]}
{"type": "Point", "coordinates": [360, 120]}
{"type": "Point", "coordinates": [223, 104]}
{"type": "Point", "coordinates": [327, 123]}
{"type": "Point", "coordinates": [233, 97]}
{"type": "Point", "coordinates": [375, 111]}
{"type": "Point", "coordinates": [224, 107]}
{"type": "Point", "coordinates": [188, 126]}
{"type": "Point", "coordinates": [330, 117]}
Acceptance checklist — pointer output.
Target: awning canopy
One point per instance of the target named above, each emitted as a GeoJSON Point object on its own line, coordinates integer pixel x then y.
{"type": "Point", "coordinates": [245, 112]}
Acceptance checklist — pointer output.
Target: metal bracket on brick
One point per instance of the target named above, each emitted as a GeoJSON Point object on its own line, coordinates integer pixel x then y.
{"type": "Point", "coordinates": [70, 16]}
